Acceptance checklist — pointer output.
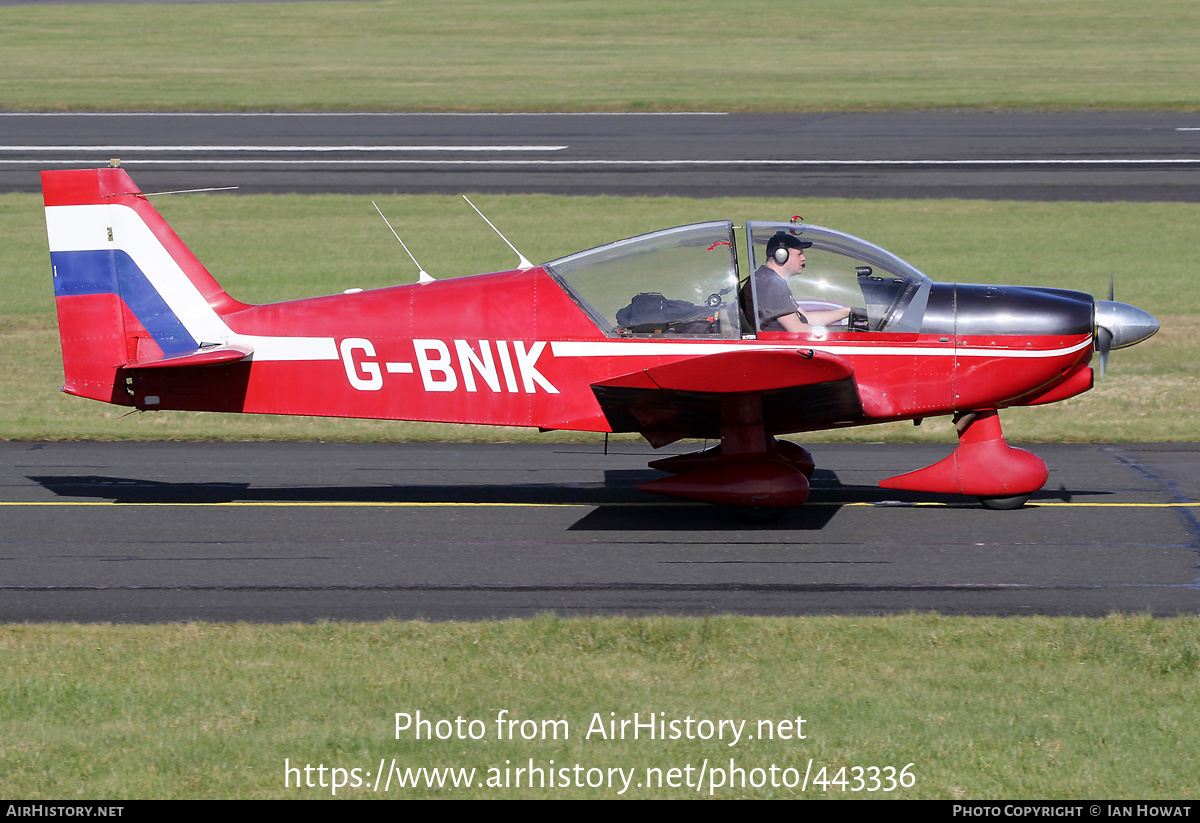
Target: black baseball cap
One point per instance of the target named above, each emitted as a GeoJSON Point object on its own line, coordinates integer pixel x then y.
{"type": "Point", "coordinates": [782, 239]}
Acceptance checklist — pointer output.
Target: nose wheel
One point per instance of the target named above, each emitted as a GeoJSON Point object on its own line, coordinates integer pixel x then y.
{"type": "Point", "coordinates": [1001, 504]}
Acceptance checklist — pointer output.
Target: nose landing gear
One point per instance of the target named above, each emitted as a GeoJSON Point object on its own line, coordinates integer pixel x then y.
{"type": "Point", "coordinates": [983, 465]}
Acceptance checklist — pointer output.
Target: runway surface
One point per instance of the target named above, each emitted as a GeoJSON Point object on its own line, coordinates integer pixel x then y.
{"type": "Point", "coordinates": [1098, 156]}
{"type": "Point", "coordinates": [149, 532]}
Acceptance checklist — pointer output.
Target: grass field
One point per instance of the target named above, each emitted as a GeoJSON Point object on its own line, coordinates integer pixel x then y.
{"type": "Point", "coordinates": [981, 708]}
{"type": "Point", "coordinates": [270, 248]}
{"type": "Point", "coordinates": [595, 55]}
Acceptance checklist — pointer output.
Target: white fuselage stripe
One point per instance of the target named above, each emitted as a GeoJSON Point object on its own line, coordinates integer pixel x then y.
{"type": "Point", "coordinates": [620, 348]}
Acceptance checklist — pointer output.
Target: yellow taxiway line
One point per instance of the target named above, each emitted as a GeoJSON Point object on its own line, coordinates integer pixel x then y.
{"type": "Point", "coordinates": [442, 504]}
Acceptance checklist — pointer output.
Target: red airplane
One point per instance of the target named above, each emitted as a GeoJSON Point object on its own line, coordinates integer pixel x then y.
{"type": "Point", "coordinates": [659, 334]}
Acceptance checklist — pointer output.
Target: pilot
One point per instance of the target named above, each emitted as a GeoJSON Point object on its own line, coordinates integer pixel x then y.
{"type": "Point", "coordinates": [776, 309]}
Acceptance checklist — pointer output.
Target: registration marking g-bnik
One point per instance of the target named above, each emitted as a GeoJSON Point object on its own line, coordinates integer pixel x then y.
{"type": "Point", "coordinates": [442, 370]}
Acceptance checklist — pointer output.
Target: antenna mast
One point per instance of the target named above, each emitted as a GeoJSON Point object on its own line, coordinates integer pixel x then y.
{"type": "Point", "coordinates": [187, 191]}
{"type": "Point", "coordinates": [424, 276]}
{"type": "Point", "coordinates": [524, 264]}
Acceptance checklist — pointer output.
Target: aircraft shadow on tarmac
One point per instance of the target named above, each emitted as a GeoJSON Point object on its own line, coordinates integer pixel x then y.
{"type": "Point", "coordinates": [617, 503]}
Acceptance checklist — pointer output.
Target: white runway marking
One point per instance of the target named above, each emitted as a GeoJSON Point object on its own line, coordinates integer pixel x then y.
{"type": "Point", "coordinates": [297, 149]}
{"type": "Point", "coordinates": [364, 114]}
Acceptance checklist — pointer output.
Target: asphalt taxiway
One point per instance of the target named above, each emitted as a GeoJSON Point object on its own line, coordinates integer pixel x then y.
{"type": "Point", "coordinates": [149, 532]}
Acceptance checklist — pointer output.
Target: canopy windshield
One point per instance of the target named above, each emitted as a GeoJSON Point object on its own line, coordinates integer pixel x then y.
{"type": "Point", "coordinates": [679, 282]}
{"type": "Point", "coordinates": [843, 270]}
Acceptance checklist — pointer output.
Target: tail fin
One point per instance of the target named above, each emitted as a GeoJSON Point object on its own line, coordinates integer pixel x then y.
{"type": "Point", "coordinates": [128, 291]}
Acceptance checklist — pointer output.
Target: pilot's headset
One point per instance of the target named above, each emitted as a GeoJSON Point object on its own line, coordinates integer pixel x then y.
{"type": "Point", "coordinates": [783, 243]}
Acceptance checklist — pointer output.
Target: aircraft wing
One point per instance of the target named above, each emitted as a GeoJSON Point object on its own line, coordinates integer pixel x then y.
{"type": "Point", "coordinates": [788, 390]}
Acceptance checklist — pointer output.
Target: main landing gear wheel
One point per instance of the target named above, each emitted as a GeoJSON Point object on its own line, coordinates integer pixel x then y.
{"type": "Point", "coordinates": [1005, 503]}
{"type": "Point", "coordinates": [758, 516]}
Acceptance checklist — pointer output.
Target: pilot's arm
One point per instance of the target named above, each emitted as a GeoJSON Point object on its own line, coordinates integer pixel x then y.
{"type": "Point", "coordinates": [792, 322]}
{"type": "Point", "coordinates": [828, 316]}
{"type": "Point", "coordinates": [803, 322]}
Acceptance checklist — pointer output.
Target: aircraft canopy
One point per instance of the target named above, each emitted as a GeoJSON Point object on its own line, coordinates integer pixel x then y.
{"type": "Point", "coordinates": [683, 282]}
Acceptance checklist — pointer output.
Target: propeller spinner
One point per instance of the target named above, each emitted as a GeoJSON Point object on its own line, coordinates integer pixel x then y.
{"type": "Point", "coordinates": [1120, 325]}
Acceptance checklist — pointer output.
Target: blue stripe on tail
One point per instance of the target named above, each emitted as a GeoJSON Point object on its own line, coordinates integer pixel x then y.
{"type": "Point", "coordinates": [114, 272]}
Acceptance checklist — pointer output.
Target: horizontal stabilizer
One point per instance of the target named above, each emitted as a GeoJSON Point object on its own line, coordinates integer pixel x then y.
{"type": "Point", "coordinates": [203, 356]}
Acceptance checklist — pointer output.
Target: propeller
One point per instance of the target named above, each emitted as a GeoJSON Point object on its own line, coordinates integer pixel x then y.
{"type": "Point", "coordinates": [1103, 345]}
{"type": "Point", "coordinates": [1104, 337]}
{"type": "Point", "coordinates": [1120, 325]}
